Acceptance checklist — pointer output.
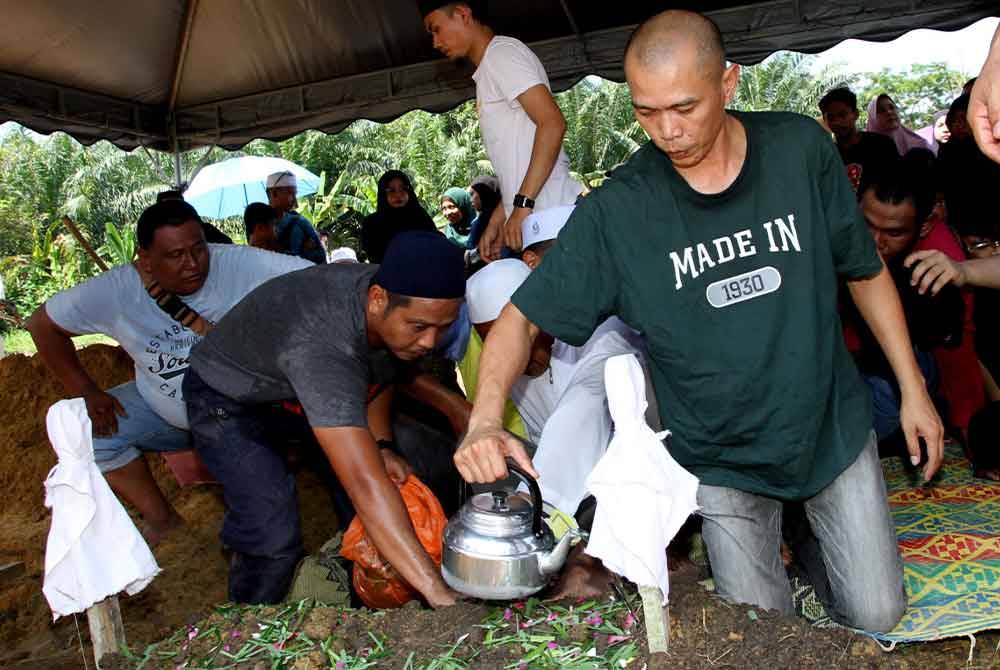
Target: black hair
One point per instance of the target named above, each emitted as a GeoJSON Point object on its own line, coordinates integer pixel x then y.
{"type": "Point", "coordinates": [164, 213]}
{"type": "Point", "coordinates": [476, 7]}
{"type": "Point", "coordinates": [904, 181]}
{"type": "Point", "coordinates": [172, 194]}
{"type": "Point", "coordinates": [959, 105]}
{"type": "Point", "coordinates": [258, 213]}
{"type": "Point", "coordinates": [839, 94]}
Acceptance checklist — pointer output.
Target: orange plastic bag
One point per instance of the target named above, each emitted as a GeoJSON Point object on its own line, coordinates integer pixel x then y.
{"type": "Point", "coordinates": [378, 584]}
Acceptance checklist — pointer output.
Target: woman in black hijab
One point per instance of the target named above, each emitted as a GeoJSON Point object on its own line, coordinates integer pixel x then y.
{"type": "Point", "coordinates": [485, 192]}
{"type": "Point", "coordinates": [398, 210]}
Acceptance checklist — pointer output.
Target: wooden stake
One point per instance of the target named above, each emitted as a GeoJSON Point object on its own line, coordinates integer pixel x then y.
{"type": "Point", "coordinates": [657, 618]}
{"type": "Point", "coordinates": [107, 633]}
{"type": "Point", "coordinates": [68, 222]}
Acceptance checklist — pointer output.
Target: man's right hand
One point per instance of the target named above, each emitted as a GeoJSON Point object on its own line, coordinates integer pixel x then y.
{"type": "Point", "coordinates": [104, 410]}
{"type": "Point", "coordinates": [491, 241]}
{"type": "Point", "coordinates": [480, 458]}
{"type": "Point", "coordinates": [441, 596]}
{"type": "Point", "coordinates": [933, 270]}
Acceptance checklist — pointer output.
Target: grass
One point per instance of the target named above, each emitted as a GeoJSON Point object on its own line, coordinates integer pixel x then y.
{"type": "Point", "coordinates": [20, 342]}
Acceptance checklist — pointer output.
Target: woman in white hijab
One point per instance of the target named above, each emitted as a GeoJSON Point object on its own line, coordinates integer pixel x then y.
{"type": "Point", "coordinates": [883, 118]}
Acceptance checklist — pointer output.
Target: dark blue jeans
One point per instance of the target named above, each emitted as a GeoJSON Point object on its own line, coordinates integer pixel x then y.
{"type": "Point", "coordinates": [261, 524]}
{"type": "Point", "coordinates": [887, 398]}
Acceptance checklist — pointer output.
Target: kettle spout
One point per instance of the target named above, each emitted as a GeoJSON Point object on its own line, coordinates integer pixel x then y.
{"type": "Point", "coordinates": [552, 562]}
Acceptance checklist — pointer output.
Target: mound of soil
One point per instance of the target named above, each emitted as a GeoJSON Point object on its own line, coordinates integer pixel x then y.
{"type": "Point", "coordinates": [705, 633]}
{"type": "Point", "coordinates": [194, 569]}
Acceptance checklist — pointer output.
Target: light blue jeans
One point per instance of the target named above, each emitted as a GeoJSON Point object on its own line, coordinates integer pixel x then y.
{"type": "Point", "coordinates": [142, 430]}
{"type": "Point", "coordinates": [857, 540]}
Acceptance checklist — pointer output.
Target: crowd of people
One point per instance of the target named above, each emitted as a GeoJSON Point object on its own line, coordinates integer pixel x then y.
{"type": "Point", "coordinates": [801, 306]}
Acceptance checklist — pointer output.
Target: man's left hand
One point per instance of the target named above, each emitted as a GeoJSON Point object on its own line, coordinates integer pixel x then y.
{"type": "Point", "coordinates": [396, 467]}
{"type": "Point", "coordinates": [919, 419]}
{"type": "Point", "coordinates": [512, 229]}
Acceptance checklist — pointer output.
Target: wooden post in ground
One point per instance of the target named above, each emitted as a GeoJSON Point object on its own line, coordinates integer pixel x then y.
{"type": "Point", "coordinates": [657, 619]}
{"type": "Point", "coordinates": [68, 222]}
{"type": "Point", "coordinates": [107, 633]}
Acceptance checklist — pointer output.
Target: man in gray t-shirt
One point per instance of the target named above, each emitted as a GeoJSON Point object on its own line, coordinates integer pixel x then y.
{"type": "Point", "coordinates": [322, 336]}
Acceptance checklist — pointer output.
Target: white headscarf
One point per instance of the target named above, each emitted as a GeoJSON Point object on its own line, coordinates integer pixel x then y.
{"type": "Point", "coordinates": [488, 291]}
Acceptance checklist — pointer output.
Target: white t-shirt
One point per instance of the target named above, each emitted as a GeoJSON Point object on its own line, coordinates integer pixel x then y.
{"type": "Point", "coordinates": [508, 69]}
{"type": "Point", "coordinates": [116, 304]}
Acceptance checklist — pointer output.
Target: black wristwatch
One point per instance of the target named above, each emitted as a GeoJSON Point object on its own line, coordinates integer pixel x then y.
{"type": "Point", "coordinates": [521, 200]}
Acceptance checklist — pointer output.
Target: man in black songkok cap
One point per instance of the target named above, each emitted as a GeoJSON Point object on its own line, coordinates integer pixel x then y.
{"type": "Point", "coordinates": [325, 336]}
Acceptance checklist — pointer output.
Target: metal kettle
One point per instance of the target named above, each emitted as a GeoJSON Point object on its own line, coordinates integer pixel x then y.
{"type": "Point", "coordinates": [497, 547]}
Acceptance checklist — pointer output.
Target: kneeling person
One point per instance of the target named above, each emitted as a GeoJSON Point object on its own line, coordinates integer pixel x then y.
{"type": "Point", "coordinates": [323, 336]}
{"type": "Point", "coordinates": [148, 414]}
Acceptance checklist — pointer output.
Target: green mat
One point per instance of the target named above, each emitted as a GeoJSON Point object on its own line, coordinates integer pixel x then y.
{"type": "Point", "coordinates": [949, 537]}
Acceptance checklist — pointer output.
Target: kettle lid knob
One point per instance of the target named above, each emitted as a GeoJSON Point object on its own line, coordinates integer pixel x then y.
{"type": "Point", "coordinates": [500, 501]}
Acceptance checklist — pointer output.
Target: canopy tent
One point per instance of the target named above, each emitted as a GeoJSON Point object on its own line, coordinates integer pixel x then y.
{"type": "Point", "coordinates": [178, 74]}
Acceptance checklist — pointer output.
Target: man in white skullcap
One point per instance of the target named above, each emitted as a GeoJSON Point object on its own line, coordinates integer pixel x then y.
{"type": "Point", "coordinates": [561, 398]}
{"type": "Point", "coordinates": [294, 232]}
{"type": "Point", "coordinates": [343, 255]}
{"type": "Point", "coordinates": [540, 230]}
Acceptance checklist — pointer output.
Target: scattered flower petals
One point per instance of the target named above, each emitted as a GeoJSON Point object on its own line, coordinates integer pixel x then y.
{"type": "Point", "coordinates": [615, 639]}
{"type": "Point", "coordinates": [552, 616]}
{"type": "Point", "coordinates": [629, 621]}
{"type": "Point", "coordinates": [340, 665]}
{"type": "Point", "coordinates": [508, 614]}
{"type": "Point", "coordinates": [519, 606]}
{"type": "Point", "coordinates": [552, 645]}
{"type": "Point", "coordinates": [236, 634]}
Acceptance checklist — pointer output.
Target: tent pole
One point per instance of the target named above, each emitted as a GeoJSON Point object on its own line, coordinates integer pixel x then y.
{"type": "Point", "coordinates": [178, 177]}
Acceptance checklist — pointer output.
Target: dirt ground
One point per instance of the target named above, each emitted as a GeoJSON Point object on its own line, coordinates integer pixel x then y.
{"type": "Point", "coordinates": [194, 571]}
{"type": "Point", "coordinates": [705, 632]}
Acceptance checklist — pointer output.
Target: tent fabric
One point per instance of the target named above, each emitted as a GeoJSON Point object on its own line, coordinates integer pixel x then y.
{"type": "Point", "coordinates": [246, 69]}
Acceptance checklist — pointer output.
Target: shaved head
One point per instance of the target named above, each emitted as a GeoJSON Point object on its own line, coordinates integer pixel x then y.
{"type": "Point", "coordinates": [677, 35]}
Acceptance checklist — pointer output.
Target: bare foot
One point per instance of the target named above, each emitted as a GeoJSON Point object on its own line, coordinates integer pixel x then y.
{"type": "Point", "coordinates": [154, 533]}
{"type": "Point", "coordinates": [583, 577]}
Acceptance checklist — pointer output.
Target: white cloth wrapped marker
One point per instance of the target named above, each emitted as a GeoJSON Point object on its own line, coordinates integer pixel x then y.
{"type": "Point", "coordinates": [94, 550]}
{"type": "Point", "coordinates": [643, 495]}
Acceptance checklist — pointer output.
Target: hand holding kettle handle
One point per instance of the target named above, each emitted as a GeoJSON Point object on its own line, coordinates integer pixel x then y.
{"type": "Point", "coordinates": [536, 495]}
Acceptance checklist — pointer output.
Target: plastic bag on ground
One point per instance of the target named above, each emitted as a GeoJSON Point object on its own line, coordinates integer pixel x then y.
{"type": "Point", "coordinates": [376, 582]}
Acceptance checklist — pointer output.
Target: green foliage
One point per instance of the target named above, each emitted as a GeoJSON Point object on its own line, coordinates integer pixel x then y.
{"type": "Point", "coordinates": [785, 82]}
{"type": "Point", "coordinates": [104, 189]}
{"type": "Point", "coordinates": [119, 245]}
{"type": "Point", "coordinates": [919, 92]}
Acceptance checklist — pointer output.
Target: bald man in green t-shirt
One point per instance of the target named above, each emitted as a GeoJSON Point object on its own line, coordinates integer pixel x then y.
{"type": "Point", "coordinates": [722, 241]}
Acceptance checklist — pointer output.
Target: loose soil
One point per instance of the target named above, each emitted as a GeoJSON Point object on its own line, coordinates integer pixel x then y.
{"type": "Point", "coordinates": [705, 632]}
{"type": "Point", "coordinates": [194, 569]}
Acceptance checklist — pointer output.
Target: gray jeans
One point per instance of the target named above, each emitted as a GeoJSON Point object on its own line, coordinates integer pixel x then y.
{"type": "Point", "coordinates": [857, 539]}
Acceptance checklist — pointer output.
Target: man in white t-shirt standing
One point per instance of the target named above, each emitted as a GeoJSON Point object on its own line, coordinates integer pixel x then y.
{"type": "Point", "coordinates": [521, 124]}
{"type": "Point", "coordinates": [149, 414]}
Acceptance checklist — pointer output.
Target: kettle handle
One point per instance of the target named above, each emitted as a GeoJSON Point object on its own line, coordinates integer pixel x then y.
{"type": "Point", "coordinates": [534, 490]}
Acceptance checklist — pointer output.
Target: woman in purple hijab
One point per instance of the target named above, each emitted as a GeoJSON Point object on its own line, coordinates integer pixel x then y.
{"type": "Point", "coordinates": [883, 118]}
{"type": "Point", "coordinates": [937, 133]}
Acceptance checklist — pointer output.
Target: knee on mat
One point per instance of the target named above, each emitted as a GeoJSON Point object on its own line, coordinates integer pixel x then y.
{"type": "Point", "coordinates": [880, 616]}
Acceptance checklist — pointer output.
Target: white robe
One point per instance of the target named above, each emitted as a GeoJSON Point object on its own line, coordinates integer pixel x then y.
{"type": "Point", "coordinates": [94, 550]}
{"type": "Point", "coordinates": [643, 494]}
{"type": "Point", "coordinates": [566, 412]}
